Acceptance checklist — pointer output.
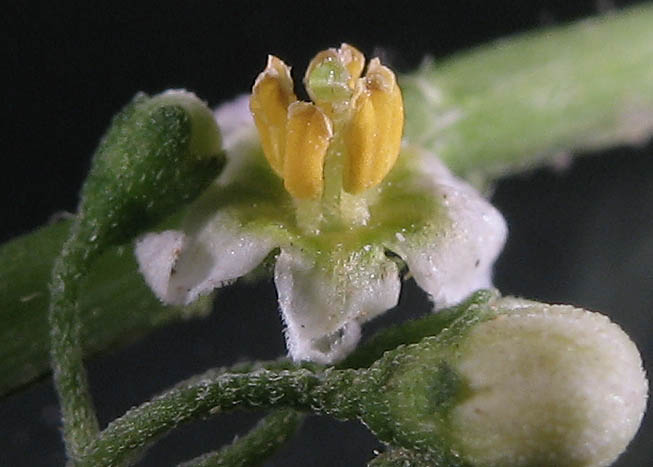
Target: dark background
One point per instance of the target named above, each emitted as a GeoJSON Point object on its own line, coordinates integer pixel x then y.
{"type": "Point", "coordinates": [582, 236]}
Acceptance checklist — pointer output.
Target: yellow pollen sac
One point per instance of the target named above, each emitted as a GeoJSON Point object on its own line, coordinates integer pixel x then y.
{"type": "Point", "coordinates": [362, 117]}
{"type": "Point", "coordinates": [271, 95]}
{"type": "Point", "coordinates": [373, 137]}
{"type": "Point", "coordinates": [308, 133]}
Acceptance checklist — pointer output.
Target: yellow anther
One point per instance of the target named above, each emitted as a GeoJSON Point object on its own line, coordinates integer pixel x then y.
{"type": "Point", "coordinates": [271, 96]}
{"type": "Point", "coordinates": [365, 113]}
{"type": "Point", "coordinates": [354, 60]}
{"type": "Point", "coordinates": [308, 133]}
{"type": "Point", "coordinates": [373, 137]}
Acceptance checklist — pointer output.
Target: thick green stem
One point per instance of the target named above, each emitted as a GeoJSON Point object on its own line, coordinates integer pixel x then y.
{"type": "Point", "coordinates": [80, 425]}
{"type": "Point", "coordinates": [115, 304]}
{"type": "Point", "coordinates": [517, 102]}
{"type": "Point", "coordinates": [331, 392]}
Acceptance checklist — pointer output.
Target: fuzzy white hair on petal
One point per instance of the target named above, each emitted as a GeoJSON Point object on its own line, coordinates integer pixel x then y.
{"type": "Point", "coordinates": [452, 264]}
{"type": "Point", "coordinates": [180, 269]}
{"type": "Point", "coordinates": [234, 119]}
{"type": "Point", "coordinates": [157, 254]}
{"type": "Point", "coordinates": [239, 137]}
{"type": "Point", "coordinates": [323, 313]}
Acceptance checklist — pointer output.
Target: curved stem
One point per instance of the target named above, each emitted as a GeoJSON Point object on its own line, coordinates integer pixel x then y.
{"type": "Point", "coordinates": [256, 446]}
{"type": "Point", "coordinates": [80, 425]}
{"type": "Point", "coordinates": [331, 392]}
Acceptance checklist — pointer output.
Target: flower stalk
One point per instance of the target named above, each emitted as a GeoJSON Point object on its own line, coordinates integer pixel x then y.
{"type": "Point", "coordinates": [257, 445]}
{"type": "Point", "coordinates": [80, 424]}
{"type": "Point", "coordinates": [209, 394]}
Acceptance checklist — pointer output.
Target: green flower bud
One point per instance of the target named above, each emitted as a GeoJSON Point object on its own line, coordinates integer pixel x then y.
{"type": "Point", "coordinates": [513, 383]}
{"type": "Point", "coordinates": [158, 154]}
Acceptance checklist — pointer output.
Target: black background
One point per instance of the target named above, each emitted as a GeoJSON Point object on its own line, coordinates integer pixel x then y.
{"type": "Point", "coordinates": [582, 236]}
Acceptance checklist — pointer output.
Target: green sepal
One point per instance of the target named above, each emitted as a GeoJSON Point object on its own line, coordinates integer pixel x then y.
{"type": "Point", "coordinates": [415, 386]}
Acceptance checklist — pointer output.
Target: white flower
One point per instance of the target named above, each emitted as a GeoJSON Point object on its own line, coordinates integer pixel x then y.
{"type": "Point", "coordinates": [332, 271]}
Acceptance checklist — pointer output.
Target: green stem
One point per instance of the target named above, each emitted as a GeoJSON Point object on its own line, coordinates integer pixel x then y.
{"type": "Point", "coordinates": [80, 425]}
{"type": "Point", "coordinates": [331, 392]}
{"type": "Point", "coordinates": [517, 102]}
{"type": "Point", "coordinates": [256, 446]}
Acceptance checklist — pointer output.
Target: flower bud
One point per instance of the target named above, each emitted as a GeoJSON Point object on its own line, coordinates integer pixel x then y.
{"type": "Point", "coordinates": [517, 383]}
{"type": "Point", "coordinates": [158, 154]}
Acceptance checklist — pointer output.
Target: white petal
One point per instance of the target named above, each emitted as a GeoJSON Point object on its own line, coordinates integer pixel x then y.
{"type": "Point", "coordinates": [235, 121]}
{"type": "Point", "coordinates": [239, 136]}
{"type": "Point", "coordinates": [451, 263]}
{"type": "Point", "coordinates": [323, 309]}
{"type": "Point", "coordinates": [157, 254]}
{"type": "Point", "coordinates": [180, 268]}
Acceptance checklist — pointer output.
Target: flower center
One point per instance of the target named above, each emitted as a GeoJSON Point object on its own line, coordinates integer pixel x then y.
{"type": "Point", "coordinates": [331, 152]}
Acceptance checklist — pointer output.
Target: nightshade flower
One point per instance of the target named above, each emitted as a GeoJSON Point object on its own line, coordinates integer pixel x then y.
{"type": "Point", "coordinates": [327, 190]}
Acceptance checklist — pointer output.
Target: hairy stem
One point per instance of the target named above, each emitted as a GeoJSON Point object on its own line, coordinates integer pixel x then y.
{"type": "Point", "coordinates": [521, 101]}
{"type": "Point", "coordinates": [331, 392]}
{"type": "Point", "coordinates": [80, 425]}
{"type": "Point", "coordinates": [256, 446]}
